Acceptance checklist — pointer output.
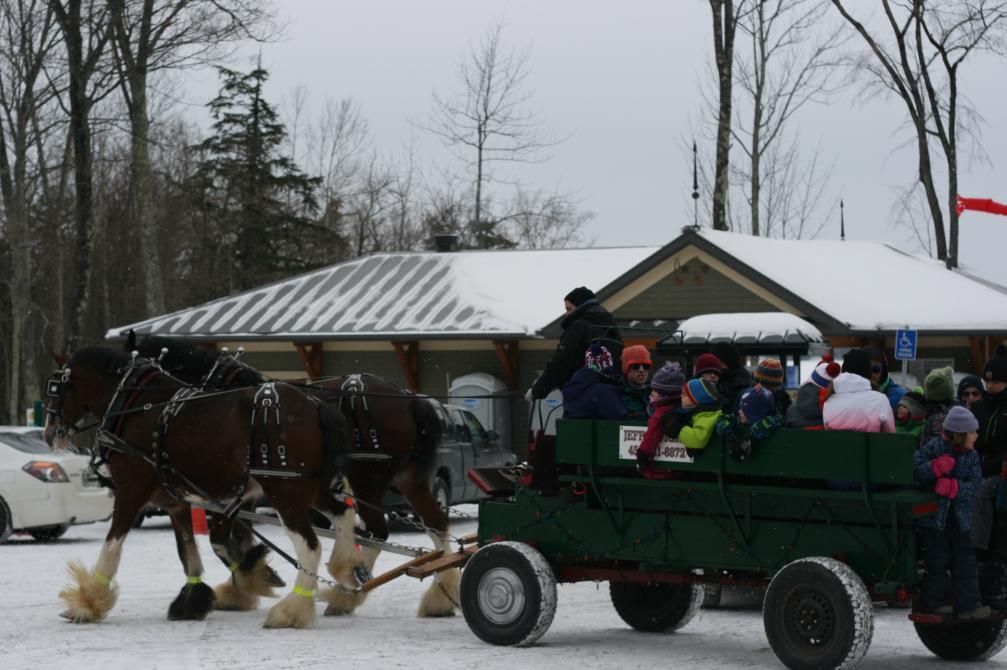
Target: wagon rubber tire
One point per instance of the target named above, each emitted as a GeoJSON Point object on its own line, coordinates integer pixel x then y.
{"type": "Point", "coordinates": [974, 641]}
{"type": "Point", "coordinates": [818, 615]}
{"type": "Point", "coordinates": [6, 521]}
{"type": "Point", "coordinates": [656, 608]}
{"type": "Point", "coordinates": [508, 594]}
{"type": "Point", "coordinates": [49, 533]}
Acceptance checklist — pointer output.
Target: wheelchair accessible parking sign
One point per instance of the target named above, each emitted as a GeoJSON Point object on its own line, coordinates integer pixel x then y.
{"type": "Point", "coordinates": [905, 345]}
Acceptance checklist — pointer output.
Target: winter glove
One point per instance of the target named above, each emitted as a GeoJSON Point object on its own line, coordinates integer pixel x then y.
{"type": "Point", "coordinates": [946, 488]}
{"type": "Point", "coordinates": [740, 449]}
{"type": "Point", "coordinates": [671, 425]}
{"type": "Point", "coordinates": [942, 465]}
{"type": "Point", "coordinates": [644, 461]}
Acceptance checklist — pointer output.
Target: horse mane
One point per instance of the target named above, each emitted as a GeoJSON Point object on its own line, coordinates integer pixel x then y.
{"type": "Point", "coordinates": [190, 362]}
{"type": "Point", "coordinates": [101, 358]}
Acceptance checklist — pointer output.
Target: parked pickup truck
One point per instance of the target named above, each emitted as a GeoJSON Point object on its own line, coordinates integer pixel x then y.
{"type": "Point", "coordinates": [464, 444]}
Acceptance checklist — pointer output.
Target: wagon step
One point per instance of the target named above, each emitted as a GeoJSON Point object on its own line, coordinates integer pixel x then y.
{"type": "Point", "coordinates": [442, 563]}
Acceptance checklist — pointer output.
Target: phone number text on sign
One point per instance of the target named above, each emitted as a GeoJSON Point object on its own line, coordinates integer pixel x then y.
{"type": "Point", "coordinates": [668, 450]}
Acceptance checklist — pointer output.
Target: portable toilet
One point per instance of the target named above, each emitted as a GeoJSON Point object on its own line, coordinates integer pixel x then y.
{"type": "Point", "coordinates": [471, 391]}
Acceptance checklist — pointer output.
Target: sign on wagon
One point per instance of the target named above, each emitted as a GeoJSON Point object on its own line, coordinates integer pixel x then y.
{"type": "Point", "coordinates": [668, 451]}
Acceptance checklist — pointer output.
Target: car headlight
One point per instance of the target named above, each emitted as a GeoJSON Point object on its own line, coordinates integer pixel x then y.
{"type": "Point", "coordinates": [47, 471]}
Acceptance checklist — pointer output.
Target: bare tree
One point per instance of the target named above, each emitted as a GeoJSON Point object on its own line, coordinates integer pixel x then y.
{"type": "Point", "coordinates": [725, 24]}
{"type": "Point", "coordinates": [27, 35]}
{"type": "Point", "coordinates": [154, 36]}
{"type": "Point", "coordinates": [86, 31]}
{"type": "Point", "coordinates": [541, 220]}
{"type": "Point", "coordinates": [917, 55]}
{"type": "Point", "coordinates": [486, 122]}
{"type": "Point", "coordinates": [788, 63]}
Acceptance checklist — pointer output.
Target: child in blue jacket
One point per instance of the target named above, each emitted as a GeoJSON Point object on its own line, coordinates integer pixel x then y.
{"type": "Point", "coordinates": [949, 465]}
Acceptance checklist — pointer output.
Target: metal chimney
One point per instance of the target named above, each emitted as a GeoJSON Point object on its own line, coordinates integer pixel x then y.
{"type": "Point", "coordinates": [445, 242]}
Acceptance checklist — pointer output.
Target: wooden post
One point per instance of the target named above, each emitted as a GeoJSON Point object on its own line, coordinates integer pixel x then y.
{"type": "Point", "coordinates": [507, 355]}
{"type": "Point", "coordinates": [409, 359]}
{"type": "Point", "coordinates": [976, 351]}
{"type": "Point", "coordinates": [311, 358]}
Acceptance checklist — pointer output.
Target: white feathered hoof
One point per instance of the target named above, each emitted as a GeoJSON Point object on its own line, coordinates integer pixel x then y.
{"type": "Point", "coordinates": [340, 602]}
{"type": "Point", "coordinates": [294, 611]}
{"type": "Point", "coordinates": [91, 599]}
{"type": "Point", "coordinates": [442, 598]}
{"type": "Point", "coordinates": [232, 599]}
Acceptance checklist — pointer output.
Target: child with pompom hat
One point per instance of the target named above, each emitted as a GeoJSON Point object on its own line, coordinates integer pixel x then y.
{"type": "Point", "coordinates": [949, 466]}
{"type": "Point", "coordinates": [771, 374]}
{"type": "Point", "coordinates": [665, 397]}
{"type": "Point", "coordinates": [755, 421]}
{"type": "Point", "coordinates": [806, 412]}
{"type": "Point", "coordinates": [592, 392]}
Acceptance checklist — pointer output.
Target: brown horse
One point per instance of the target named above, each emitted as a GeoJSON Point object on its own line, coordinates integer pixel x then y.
{"type": "Point", "coordinates": [394, 441]}
{"type": "Point", "coordinates": [154, 430]}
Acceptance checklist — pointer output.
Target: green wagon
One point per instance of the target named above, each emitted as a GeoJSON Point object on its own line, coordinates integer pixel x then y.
{"type": "Point", "coordinates": [774, 520]}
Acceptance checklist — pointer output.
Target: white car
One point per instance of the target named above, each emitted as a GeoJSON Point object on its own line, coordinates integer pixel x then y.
{"type": "Point", "coordinates": [43, 492]}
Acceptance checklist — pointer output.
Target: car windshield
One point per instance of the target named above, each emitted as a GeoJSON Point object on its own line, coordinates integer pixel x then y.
{"type": "Point", "coordinates": [29, 443]}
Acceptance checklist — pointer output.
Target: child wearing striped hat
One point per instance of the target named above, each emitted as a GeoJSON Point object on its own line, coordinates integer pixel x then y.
{"type": "Point", "coordinates": [770, 373]}
{"type": "Point", "coordinates": [693, 423]}
{"type": "Point", "coordinates": [806, 411]}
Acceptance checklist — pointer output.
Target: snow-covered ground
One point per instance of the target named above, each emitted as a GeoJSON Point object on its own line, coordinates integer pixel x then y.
{"type": "Point", "coordinates": [384, 633]}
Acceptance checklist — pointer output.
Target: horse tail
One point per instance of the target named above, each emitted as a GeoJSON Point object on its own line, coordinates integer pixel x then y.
{"type": "Point", "coordinates": [333, 426]}
{"type": "Point", "coordinates": [428, 435]}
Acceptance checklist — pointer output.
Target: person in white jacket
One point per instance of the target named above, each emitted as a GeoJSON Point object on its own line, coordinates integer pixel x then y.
{"type": "Point", "coordinates": [856, 406]}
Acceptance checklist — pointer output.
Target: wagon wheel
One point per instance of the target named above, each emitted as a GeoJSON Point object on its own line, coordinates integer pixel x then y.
{"type": "Point", "coordinates": [818, 615]}
{"type": "Point", "coordinates": [974, 641]}
{"type": "Point", "coordinates": [656, 608]}
{"type": "Point", "coordinates": [508, 594]}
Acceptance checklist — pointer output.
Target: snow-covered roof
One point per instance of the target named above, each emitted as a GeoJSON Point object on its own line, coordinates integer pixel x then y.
{"type": "Point", "coordinates": [423, 294]}
{"type": "Point", "coordinates": [871, 286]}
{"type": "Point", "coordinates": [747, 328]}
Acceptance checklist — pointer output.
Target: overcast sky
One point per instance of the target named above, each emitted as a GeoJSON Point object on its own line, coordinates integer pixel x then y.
{"type": "Point", "coordinates": [622, 77]}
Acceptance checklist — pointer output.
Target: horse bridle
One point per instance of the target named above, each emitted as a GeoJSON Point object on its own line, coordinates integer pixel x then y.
{"type": "Point", "coordinates": [55, 389]}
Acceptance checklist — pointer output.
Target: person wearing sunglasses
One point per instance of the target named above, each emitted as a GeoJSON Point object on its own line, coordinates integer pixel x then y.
{"type": "Point", "coordinates": [880, 378]}
{"type": "Point", "coordinates": [636, 364]}
{"type": "Point", "coordinates": [970, 389]}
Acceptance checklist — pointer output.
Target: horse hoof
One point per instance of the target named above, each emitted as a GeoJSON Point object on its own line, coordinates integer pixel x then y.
{"type": "Point", "coordinates": [229, 597]}
{"type": "Point", "coordinates": [90, 599]}
{"type": "Point", "coordinates": [340, 602]}
{"type": "Point", "coordinates": [294, 611]}
{"type": "Point", "coordinates": [441, 599]}
{"type": "Point", "coordinates": [193, 603]}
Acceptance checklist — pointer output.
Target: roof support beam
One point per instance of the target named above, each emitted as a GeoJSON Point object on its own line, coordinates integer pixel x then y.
{"type": "Point", "coordinates": [976, 351]}
{"type": "Point", "coordinates": [409, 359]}
{"type": "Point", "coordinates": [507, 355]}
{"type": "Point", "coordinates": [311, 357]}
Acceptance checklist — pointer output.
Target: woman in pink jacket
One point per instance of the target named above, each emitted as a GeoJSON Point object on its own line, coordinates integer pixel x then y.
{"type": "Point", "coordinates": [855, 405]}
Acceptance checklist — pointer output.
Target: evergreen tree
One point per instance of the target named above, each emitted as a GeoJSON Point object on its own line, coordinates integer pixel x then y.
{"type": "Point", "coordinates": [262, 201]}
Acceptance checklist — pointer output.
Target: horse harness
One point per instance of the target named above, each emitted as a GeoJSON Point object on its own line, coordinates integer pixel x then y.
{"type": "Point", "coordinates": [266, 422]}
{"type": "Point", "coordinates": [355, 389]}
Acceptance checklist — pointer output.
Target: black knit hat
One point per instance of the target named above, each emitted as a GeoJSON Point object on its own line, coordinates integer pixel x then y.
{"type": "Point", "coordinates": [727, 353]}
{"type": "Point", "coordinates": [858, 362]}
{"type": "Point", "coordinates": [970, 381]}
{"type": "Point", "coordinates": [579, 296]}
{"type": "Point", "coordinates": [996, 366]}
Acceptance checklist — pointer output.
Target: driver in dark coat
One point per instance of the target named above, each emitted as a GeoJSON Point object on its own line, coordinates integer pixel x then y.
{"type": "Point", "coordinates": [585, 320]}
